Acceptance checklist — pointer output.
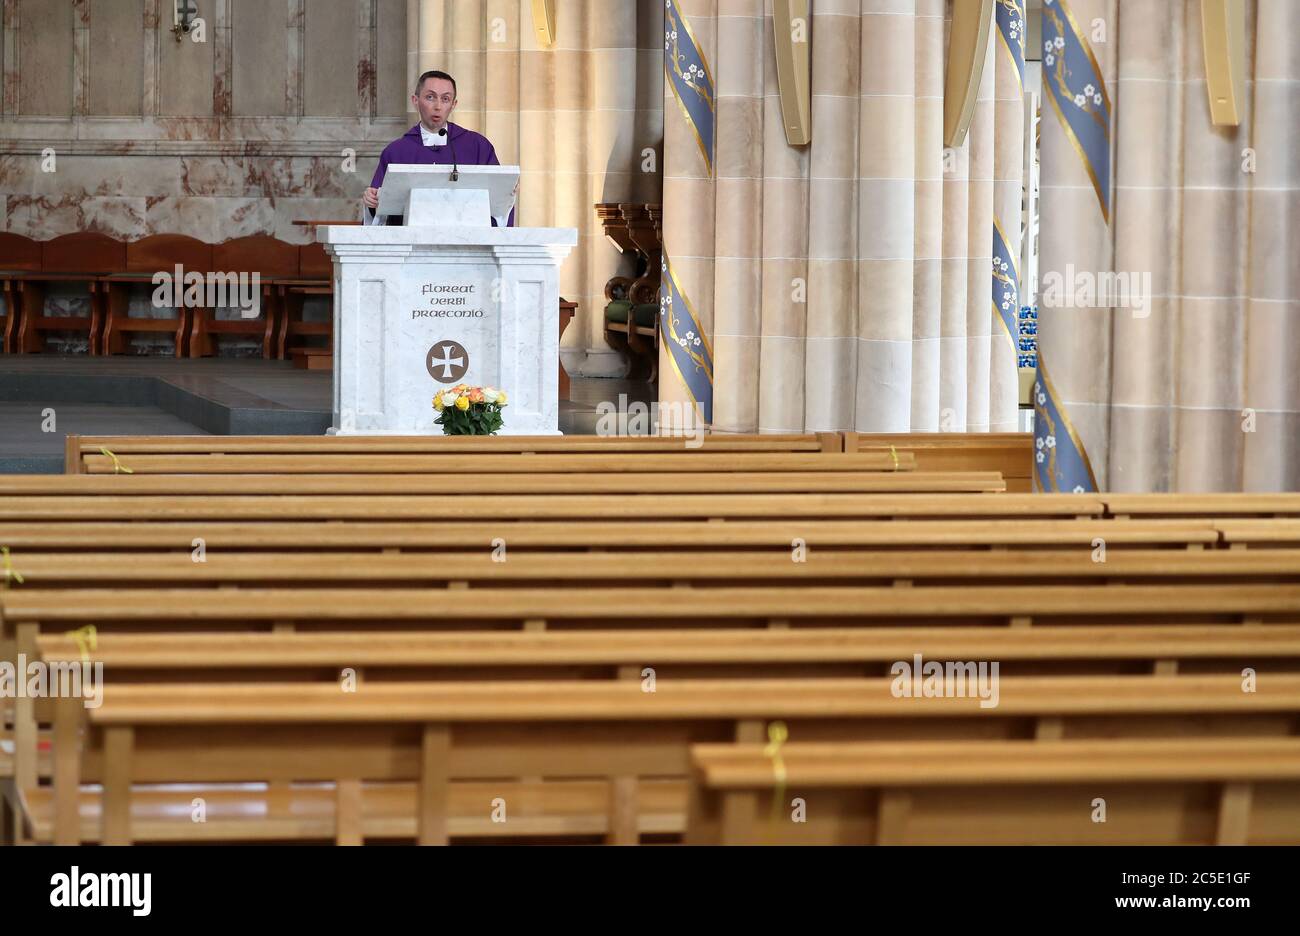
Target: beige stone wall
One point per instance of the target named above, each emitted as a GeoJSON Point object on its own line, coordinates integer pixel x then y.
{"type": "Point", "coordinates": [242, 133]}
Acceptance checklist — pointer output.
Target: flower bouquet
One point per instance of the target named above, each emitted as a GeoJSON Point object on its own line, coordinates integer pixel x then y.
{"type": "Point", "coordinates": [465, 410]}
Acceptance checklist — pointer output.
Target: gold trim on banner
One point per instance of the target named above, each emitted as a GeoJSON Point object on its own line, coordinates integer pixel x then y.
{"type": "Point", "coordinates": [1065, 418]}
{"type": "Point", "coordinates": [1083, 157]}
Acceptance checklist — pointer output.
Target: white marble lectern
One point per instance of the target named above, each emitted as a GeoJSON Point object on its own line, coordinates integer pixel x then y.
{"type": "Point", "coordinates": [427, 305]}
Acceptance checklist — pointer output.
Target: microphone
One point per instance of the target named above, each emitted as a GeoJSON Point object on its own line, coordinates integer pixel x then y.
{"type": "Point", "coordinates": [455, 167]}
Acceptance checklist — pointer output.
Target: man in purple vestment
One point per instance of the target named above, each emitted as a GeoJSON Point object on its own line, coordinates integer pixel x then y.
{"type": "Point", "coordinates": [433, 140]}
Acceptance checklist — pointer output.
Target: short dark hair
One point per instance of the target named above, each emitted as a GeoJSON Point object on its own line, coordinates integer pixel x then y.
{"type": "Point", "coordinates": [436, 74]}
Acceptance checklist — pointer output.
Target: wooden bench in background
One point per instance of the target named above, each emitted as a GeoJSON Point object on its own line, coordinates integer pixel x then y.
{"type": "Point", "coordinates": [79, 448]}
{"type": "Point", "coordinates": [273, 260]}
{"type": "Point", "coordinates": [1009, 453]}
{"type": "Point", "coordinates": [144, 258]}
{"type": "Point", "coordinates": [632, 310]}
{"type": "Point", "coordinates": [314, 277]}
{"type": "Point", "coordinates": [20, 258]}
{"type": "Point", "coordinates": [80, 258]}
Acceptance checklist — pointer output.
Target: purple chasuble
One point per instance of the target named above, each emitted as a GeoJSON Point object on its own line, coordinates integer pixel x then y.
{"type": "Point", "coordinates": [471, 149]}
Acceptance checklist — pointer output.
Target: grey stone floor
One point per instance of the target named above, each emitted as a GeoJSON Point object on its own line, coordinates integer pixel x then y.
{"type": "Point", "coordinates": [108, 396]}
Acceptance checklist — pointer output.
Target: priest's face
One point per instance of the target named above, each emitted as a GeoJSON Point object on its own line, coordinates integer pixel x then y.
{"type": "Point", "coordinates": [435, 102]}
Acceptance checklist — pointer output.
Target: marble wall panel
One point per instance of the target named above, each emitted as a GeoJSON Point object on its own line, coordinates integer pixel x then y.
{"type": "Point", "coordinates": [45, 43]}
{"type": "Point", "coordinates": [116, 78]}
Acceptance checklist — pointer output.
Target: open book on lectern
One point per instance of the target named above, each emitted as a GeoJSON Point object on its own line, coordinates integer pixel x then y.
{"type": "Point", "coordinates": [437, 195]}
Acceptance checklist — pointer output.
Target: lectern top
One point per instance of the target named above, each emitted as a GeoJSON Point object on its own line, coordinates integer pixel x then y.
{"type": "Point", "coordinates": [500, 182]}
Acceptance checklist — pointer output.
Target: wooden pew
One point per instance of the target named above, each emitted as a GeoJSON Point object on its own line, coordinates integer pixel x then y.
{"type": "Point", "coordinates": [565, 810]}
{"type": "Point", "coordinates": [434, 733]}
{"type": "Point", "coordinates": [129, 658]}
{"type": "Point", "coordinates": [1167, 791]}
{"type": "Point", "coordinates": [130, 568]}
{"type": "Point", "coordinates": [82, 257]}
{"type": "Point", "coordinates": [812, 652]}
{"type": "Point", "coordinates": [145, 257]}
{"type": "Point", "coordinates": [273, 260]}
{"type": "Point", "coordinates": [1241, 534]}
{"type": "Point", "coordinates": [1125, 506]}
{"type": "Point", "coordinates": [79, 448]}
{"type": "Point", "coordinates": [619, 535]}
{"type": "Point", "coordinates": [20, 258]}
{"type": "Point", "coordinates": [640, 605]}
{"type": "Point", "coordinates": [508, 508]}
{"type": "Point", "coordinates": [107, 473]}
{"type": "Point", "coordinates": [1009, 453]}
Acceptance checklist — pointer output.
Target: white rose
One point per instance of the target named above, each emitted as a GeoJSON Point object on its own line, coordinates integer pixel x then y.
{"type": "Point", "coordinates": [490, 395]}
{"type": "Point", "coordinates": [449, 399]}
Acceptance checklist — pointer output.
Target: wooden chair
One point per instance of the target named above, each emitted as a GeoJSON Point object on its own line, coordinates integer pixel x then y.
{"type": "Point", "coordinates": [83, 257]}
{"type": "Point", "coordinates": [145, 257]}
{"type": "Point", "coordinates": [631, 324]}
{"type": "Point", "coordinates": [21, 258]}
{"type": "Point", "coordinates": [271, 260]}
{"type": "Point", "coordinates": [1167, 791]}
{"type": "Point", "coordinates": [1010, 453]}
{"type": "Point", "coordinates": [314, 277]}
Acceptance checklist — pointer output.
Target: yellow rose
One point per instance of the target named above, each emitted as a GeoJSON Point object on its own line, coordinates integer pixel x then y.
{"type": "Point", "coordinates": [501, 398]}
{"type": "Point", "coordinates": [462, 402]}
{"type": "Point", "coordinates": [437, 401]}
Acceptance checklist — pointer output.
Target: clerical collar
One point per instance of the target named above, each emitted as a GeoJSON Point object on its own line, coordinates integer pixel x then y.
{"type": "Point", "coordinates": [429, 138]}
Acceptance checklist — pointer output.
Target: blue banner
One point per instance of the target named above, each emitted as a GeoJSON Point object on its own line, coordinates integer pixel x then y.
{"type": "Point", "coordinates": [1060, 462]}
{"type": "Point", "coordinates": [1078, 94]}
{"type": "Point", "coordinates": [688, 74]}
{"type": "Point", "coordinates": [1011, 26]}
{"type": "Point", "coordinates": [688, 347]}
{"type": "Point", "coordinates": [1006, 283]}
